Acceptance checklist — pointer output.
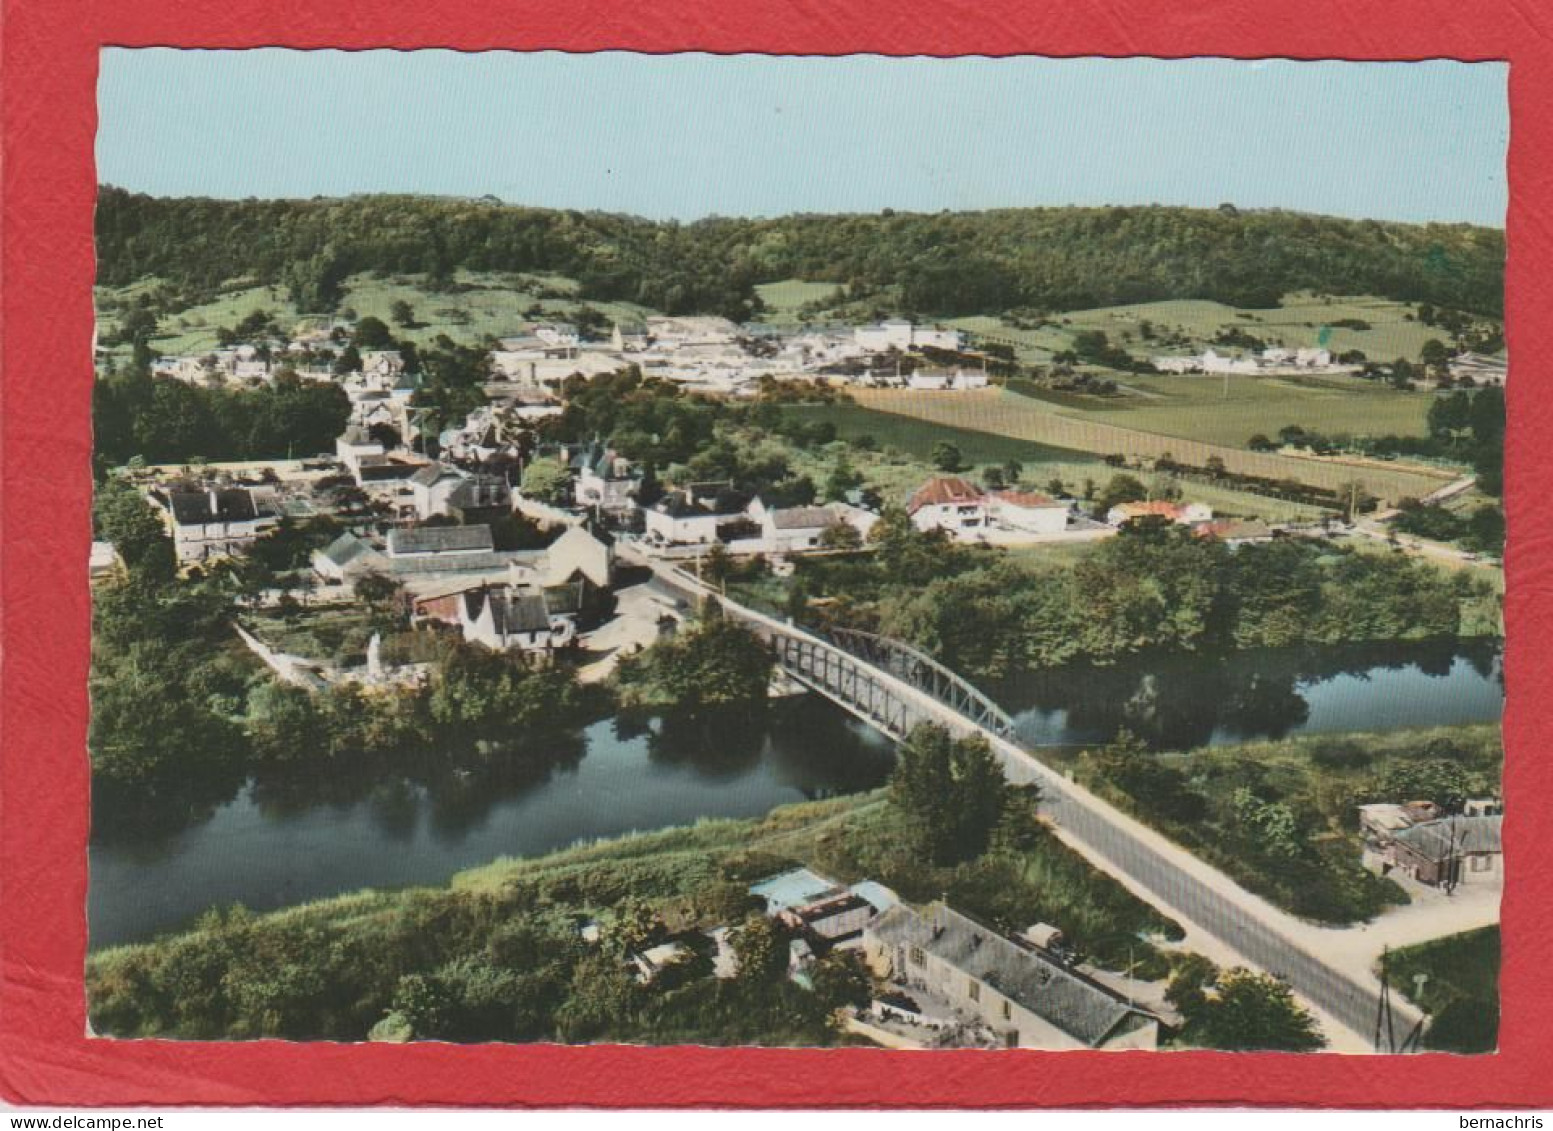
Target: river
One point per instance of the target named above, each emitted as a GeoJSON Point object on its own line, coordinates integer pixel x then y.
{"type": "Point", "coordinates": [275, 844]}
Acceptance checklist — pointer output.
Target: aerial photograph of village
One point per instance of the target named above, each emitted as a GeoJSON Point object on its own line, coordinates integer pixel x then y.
{"type": "Point", "coordinates": [906, 553]}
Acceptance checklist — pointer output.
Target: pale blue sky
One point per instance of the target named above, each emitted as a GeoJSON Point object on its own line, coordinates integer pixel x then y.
{"type": "Point", "coordinates": [690, 135]}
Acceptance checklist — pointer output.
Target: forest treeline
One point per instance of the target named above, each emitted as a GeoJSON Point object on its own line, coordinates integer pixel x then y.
{"type": "Point", "coordinates": [941, 264]}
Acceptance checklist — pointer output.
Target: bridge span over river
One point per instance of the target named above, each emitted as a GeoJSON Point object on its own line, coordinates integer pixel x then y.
{"type": "Point", "coordinates": [893, 687]}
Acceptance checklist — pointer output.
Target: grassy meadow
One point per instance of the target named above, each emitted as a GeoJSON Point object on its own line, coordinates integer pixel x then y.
{"type": "Point", "coordinates": [1196, 322]}
{"type": "Point", "coordinates": [1004, 413]}
{"type": "Point", "coordinates": [904, 460]}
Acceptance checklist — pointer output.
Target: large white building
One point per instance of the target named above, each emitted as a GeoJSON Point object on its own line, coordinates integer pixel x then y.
{"type": "Point", "coordinates": [216, 522]}
{"type": "Point", "coordinates": [1023, 993]}
{"type": "Point", "coordinates": [951, 504]}
{"type": "Point", "coordinates": [899, 334]}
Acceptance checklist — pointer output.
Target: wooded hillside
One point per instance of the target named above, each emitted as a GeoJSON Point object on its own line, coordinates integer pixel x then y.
{"type": "Point", "coordinates": [945, 264]}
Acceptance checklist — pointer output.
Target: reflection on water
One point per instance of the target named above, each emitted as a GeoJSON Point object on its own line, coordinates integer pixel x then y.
{"type": "Point", "coordinates": [287, 840]}
{"type": "Point", "coordinates": [1178, 702]}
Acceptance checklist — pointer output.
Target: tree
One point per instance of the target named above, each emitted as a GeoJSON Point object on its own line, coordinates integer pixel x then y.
{"type": "Point", "coordinates": [127, 520]}
{"type": "Point", "coordinates": [845, 536]}
{"type": "Point", "coordinates": [547, 480]}
{"type": "Point", "coordinates": [843, 479]}
{"type": "Point", "coordinates": [760, 945]}
{"type": "Point", "coordinates": [1251, 1011]}
{"type": "Point", "coordinates": [946, 457]}
{"type": "Point", "coordinates": [1121, 489]}
{"type": "Point", "coordinates": [349, 361]}
{"type": "Point", "coordinates": [714, 662]}
{"type": "Point", "coordinates": [402, 313]}
{"type": "Point", "coordinates": [951, 792]}
{"type": "Point", "coordinates": [372, 334]}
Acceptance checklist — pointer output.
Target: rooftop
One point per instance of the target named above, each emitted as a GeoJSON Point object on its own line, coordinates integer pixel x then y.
{"type": "Point", "coordinates": [944, 491]}
{"type": "Point", "coordinates": [440, 540]}
{"type": "Point", "coordinates": [1454, 836]}
{"type": "Point", "coordinates": [1077, 1005]}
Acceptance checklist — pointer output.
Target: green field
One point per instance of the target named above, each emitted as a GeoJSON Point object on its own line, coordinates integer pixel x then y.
{"type": "Point", "coordinates": [482, 305]}
{"type": "Point", "coordinates": [784, 299]}
{"type": "Point", "coordinates": [1002, 413]}
{"type": "Point", "coordinates": [904, 461]}
{"type": "Point", "coordinates": [1196, 322]}
{"type": "Point", "coordinates": [1230, 411]}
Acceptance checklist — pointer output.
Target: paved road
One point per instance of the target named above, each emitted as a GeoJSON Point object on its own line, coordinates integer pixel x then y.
{"type": "Point", "coordinates": [1191, 890]}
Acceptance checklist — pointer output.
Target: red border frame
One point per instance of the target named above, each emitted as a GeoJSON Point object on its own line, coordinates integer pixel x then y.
{"type": "Point", "coordinates": [48, 69]}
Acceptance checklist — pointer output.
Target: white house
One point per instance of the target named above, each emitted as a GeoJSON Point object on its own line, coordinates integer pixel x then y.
{"type": "Point", "coordinates": [347, 558]}
{"type": "Point", "coordinates": [1021, 992]}
{"type": "Point", "coordinates": [431, 487]}
{"type": "Point", "coordinates": [899, 334]}
{"type": "Point", "coordinates": [216, 523]}
{"type": "Point", "coordinates": [785, 530]}
{"type": "Point", "coordinates": [1028, 511]}
{"type": "Point", "coordinates": [1213, 362]}
{"type": "Point", "coordinates": [691, 518]}
{"type": "Point", "coordinates": [355, 447]}
{"type": "Point", "coordinates": [505, 618]}
{"type": "Point", "coordinates": [940, 379]}
{"type": "Point", "coordinates": [558, 335]}
{"type": "Point", "coordinates": [1177, 364]}
{"type": "Point", "coordinates": [580, 553]}
{"type": "Point", "coordinates": [949, 503]}
{"type": "Point", "coordinates": [604, 479]}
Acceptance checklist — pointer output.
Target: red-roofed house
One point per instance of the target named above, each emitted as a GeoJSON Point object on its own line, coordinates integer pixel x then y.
{"type": "Point", "coordinates": [948, 503]}
{"type": "Point", "coordinates": [1184, 513]}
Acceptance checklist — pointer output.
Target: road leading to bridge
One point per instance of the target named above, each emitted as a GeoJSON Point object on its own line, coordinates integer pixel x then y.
{"type": "Point", "coordinates": [1184, 886]}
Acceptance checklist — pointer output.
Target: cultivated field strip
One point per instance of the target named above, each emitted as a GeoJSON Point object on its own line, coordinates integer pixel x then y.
{"type": "Point", "coordinates": [1002, 414]}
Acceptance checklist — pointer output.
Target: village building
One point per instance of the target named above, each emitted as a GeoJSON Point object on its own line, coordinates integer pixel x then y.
{"type": "Point", "coordinates": [899, 334]}
{"type": "Point", "coordinates": [605, 479]}
{"type": "Point", "coordinates": [629, 337]}
{"type": "Point", "coordinates": [951, 504]}
{"type": "Point", "coordinates": [787, 530]}
{"type": "Point", "coordinates": [944, 380]}
{"type": "Point", "coordinates": [1235, 532]}
{"type": "Point", "coordinates": [699, 515]}
{"type": "Point", "coordinates": [1185, 514]}
{"type": "Point", "coordinates": [558, 335]}
{"type": "Point", "coordinates": [215, 522]}
{"type": "Point", "coordinates": [1480, 369]}
{"type": "Point", "coordinates": [479, 499]}
{"type": "Point", "coordinates": [431, 487]}
{"type": "Point", "coordinates": [1023, 993]}
{"type": "Point", "coordinates": [1415, 839]}
{"type": "Point", "coordinates": [1028, 511]}
{"type": "Point", "coordinates": [437, 549]}
{"type": "Point", "coordinates": [511, 618]}
{"type": "Point", "coordinates": [347, 558]}
{"type": "Point", "coordinates": [581, 553]}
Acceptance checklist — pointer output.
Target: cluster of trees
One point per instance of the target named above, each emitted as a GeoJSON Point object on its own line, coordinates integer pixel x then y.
{"type": "Point", "coordinates": [1244, 1011]}
{"type": "Point", "coordinates": [474, 966]}
{"type": "Point", "coordinates": [712, 663]}
{"type": "Point", "coordinates": [1266, 813]}
{"type": "Point", "coordinates": [952, 793]}
{"type": "Point", "coordinates": [163, 420]}
{"type": "Point", "coordinates": [1154, 587]}
{"type": "Point", "coordinates": [1481, 530]}
{"type": "Point", "coordinates": [944, 264]}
